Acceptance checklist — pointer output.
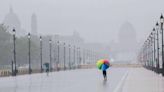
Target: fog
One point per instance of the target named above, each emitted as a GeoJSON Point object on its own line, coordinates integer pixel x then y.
{"type": "Point", "coordinates": [95, 20]}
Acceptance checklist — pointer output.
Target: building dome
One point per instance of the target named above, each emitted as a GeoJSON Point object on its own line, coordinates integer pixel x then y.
{"type": "Point", "coordinates": [12, 20]}
{"type": "Point", "coordinates": [127, 33]}
{"type": "Point", "coordinates": [125, 49]}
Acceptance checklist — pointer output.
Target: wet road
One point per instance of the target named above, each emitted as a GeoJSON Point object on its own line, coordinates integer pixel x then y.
{"type": "Point", "coordinates": [82, 80]}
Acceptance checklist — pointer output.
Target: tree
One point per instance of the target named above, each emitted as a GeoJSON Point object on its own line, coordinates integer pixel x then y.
{"type": "Point", "coordinates": [5, 45]}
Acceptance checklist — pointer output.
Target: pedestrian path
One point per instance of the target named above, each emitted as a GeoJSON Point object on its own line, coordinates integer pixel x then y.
{"type": "Point", "coordinates": [80, 80]}
{"type": "Point", "coordinates": [143, 80]}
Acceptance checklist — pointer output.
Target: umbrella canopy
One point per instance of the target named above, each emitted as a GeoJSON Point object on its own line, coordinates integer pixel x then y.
{"type": "Point", "coordinates": [46, 65]}
{"type": "Point", "coordinates": [103, 64]}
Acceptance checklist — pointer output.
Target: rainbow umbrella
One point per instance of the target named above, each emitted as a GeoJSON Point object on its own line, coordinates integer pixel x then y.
{"type": "Point", "coordinates": [103, 64]}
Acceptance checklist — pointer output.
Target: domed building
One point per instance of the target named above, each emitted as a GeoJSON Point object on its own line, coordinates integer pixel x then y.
{"type": "Point", "coordinates": [125, 50]}
{"type": "Point", "coordinates": [127, 37]}
{"type": "Point", "coordinates": [12, 21]}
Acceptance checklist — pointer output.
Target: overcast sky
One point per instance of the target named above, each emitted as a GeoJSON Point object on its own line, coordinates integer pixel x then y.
{"type": "Point", "coordinates": [95, 20]}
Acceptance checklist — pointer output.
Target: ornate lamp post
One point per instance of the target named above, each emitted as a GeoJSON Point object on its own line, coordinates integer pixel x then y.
{"type": "Point", "coordinates": [41, 67]}
{"type": "Point", "coordinates": [157, 29]}
{"type": "Point", "coordinates": [58, 55]}
{"type": "Point", "coordinates": [14, 39]}
{"type": "Point", "coordinates": [77, 57]}
{"type": "Point", "coordinates": [154, 41]}
{"type": "Point", "coordinates": [152, 50]}
{"type": "Point", "coordinates": [83, 56]}
{"type": "Point", "coordinates": [147, 53]}
{"type": "Point", "coordinates": [69, 56]}
{"type": "Point", "coordinates": [74, 56]}
{"type": "Point", "coordinates": [29, 54]}
{"type": "Point", "coordinates": [50, 44]}
{"type": "Point", "coordinates": [162, 20]}
{"type": "Point", "coordinates": [64, 56]}
{"type": "Point", "coordinates": [144, 54]}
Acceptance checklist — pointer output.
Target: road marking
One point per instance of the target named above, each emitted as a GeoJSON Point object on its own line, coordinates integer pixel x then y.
{"type": "Point", "coordinates": [120, 84]}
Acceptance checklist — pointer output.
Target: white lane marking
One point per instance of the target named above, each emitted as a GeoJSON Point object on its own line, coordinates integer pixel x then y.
{"type": "Point", "coordinates": [121, 82]}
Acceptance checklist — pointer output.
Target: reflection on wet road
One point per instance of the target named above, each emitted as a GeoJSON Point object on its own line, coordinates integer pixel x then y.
{"type": "Point", "coordinates": [82, 80]}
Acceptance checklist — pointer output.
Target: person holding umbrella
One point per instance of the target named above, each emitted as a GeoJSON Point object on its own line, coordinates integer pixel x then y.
{"type": "Point", "coordinates": [46, 67]}
{"type": "Point", "coordinates": [104, 74]}
{"type": "Point", "coordinates": [103, 65]}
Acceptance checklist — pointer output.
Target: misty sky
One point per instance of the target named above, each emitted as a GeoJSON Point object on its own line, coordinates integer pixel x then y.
{"type": "Point", "coordinates": [95, 20]}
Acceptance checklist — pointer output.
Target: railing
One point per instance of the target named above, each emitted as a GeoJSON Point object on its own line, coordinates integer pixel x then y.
{"type": "Point", "coordinates": [7, 72]}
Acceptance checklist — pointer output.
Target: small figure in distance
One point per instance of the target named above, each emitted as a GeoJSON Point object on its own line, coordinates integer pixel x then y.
{"type": "Point", "coordinates": [46, 68]}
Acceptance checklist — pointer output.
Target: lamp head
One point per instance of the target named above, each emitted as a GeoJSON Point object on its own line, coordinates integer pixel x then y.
{"type": "Point", "coordinates": [29, 35]}
{"type": "Point", "coordinates": [161, 18]}
{"type": "Point", "coordinates": [157, 26]}
{"type": "Point", "coordinates": [50, 41]}
{"type": "Point", "coordinates": [14, 31]}
{"type": "Point", "coordinates": [40, 38]}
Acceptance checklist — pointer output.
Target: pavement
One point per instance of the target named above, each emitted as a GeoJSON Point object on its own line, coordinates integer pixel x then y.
{"type": "Point", "coordinates": [86, 80]}
{"type": "Point", "coordinates": [80, 80]}
{"type": "Point", "coordinates": [143, 80]}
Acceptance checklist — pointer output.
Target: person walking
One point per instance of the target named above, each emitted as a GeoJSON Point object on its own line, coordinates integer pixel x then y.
{"type": "Point", "coordinates": [103, 65]}
{"type": "Point", "coordinates": [104, 75]}
{"type": "Point", "coordinates": [47, 68]}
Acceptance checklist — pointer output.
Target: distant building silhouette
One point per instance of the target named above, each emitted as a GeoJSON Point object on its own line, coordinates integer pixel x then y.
{"type": "Point", "coordinates": [12, 21]}
{"type": "Point", "coordinates": [127, 37]}
{"type": "Point", "coordinates": [72, 39]}
{"type": "Point", "coordinates": [34, 24]}
{"type": "Point", "coordinates": [125, 49]}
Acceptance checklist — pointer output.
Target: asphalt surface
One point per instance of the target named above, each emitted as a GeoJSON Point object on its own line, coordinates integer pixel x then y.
{"type": "Point", "coordinates": [81, 80]}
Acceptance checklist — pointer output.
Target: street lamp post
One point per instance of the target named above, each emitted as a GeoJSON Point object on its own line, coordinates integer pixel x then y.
{"type": "Point", "coordinates": [162, 20]}
{"type": "Point", "coordinates": [64, 56]}
{"type": "Point", "coordinates": [54, 57]}
{"type": "Point", "coordinates": [41, 67]}
{"type": "Point", "coordinates": [12, 70]}
{"type": "Point", "coordinates": [74, 56]}
{"type": "Point", "coordinates": [58, 55]}
{"type": "Point", "coordinates": [14, 39]}
{"type": "Point", "coordinates": [92, 56]}
{"type": "Point", "coordinates": [77, 57]}
{"type": "Point", "coordinates": [149, 53]}
{"type": "Point", "coordinates": [146, 43]}
{"type": "Point", "coordinates": [152, 50]}
{"type": "Point", "coordinates": [83, 56]}
{"type": "Point", "coordinates": [147, 46]}
{"type": "Point", "coordinates": [69, 56]}
{"type": "Point", "coordinates": [154, 45]}
{"type": "Point", "coordinates": [50, 44]}
{"type": "Point", "coordinates": [157, 29]}
{"type": "Point", "coordinates": [29, 40]}
{"type": "Point", "coordinates": [144, 55]}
